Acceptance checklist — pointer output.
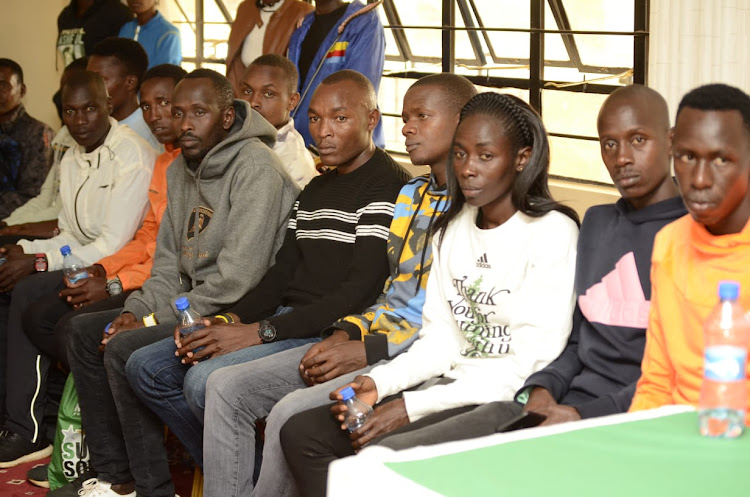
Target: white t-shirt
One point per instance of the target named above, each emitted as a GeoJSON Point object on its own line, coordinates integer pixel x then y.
{"type": "Point", "coordinates": [252, 47]}
{"type": "Point", "coordinates": [499, 307]}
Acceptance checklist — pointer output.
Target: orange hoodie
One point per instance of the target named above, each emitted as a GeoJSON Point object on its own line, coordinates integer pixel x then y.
{"type": "Point", "coordinates": [133, 262]}
{"type": "Point", "coordinates": [686, 266]}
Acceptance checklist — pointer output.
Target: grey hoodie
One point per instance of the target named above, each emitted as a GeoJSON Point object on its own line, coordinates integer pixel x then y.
{"type": "Point", "coordinates": [223, 224]}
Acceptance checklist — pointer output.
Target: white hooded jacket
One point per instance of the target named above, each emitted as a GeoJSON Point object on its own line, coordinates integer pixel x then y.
{"type": "Point", "coordinates": [104, 197]}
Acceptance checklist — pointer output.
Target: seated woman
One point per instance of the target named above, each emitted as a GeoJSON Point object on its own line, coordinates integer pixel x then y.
{"type": "Point", "coordinates": [499, 300]}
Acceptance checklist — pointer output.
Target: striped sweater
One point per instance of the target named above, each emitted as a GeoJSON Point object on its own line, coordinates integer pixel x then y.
{"type": "Point", "coordinates": [333, 261]}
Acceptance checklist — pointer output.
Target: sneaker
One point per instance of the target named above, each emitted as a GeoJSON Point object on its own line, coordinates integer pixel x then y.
{"type": "Point", "coordinates": [97, 488]}
{"type": "Point", "coordinates": [38, 476]}
{"type": "Point", "coordinates": [71, 489]}
{"type": "Point", "coordinates": [15, 450]}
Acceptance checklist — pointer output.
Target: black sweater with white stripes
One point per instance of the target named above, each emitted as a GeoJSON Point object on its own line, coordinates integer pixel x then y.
{"type": "Point", "coordinates": [333, 261]}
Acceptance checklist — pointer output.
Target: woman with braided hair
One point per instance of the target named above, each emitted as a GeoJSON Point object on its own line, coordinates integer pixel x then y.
{"type": "Point", "coordinates": [499, 300]}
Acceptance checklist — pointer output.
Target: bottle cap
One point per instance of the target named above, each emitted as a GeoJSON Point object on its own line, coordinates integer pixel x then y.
{"type": "Point", "coordinates": [65, 249]}
{"type": "Point", "coordinates": [347, 393]}
{"type": "Point", "coordinates": [729, 290]}
{"type": "Point", "coordinates": [106, 328]}
{"type": "Point", "coordinates": [182, 303]}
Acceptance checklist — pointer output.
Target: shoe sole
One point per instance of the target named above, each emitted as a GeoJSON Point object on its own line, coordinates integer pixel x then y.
{"type": "Point", "coordinates": [39, 483]}
{"type": "Point", "coordinates": [40, 454]}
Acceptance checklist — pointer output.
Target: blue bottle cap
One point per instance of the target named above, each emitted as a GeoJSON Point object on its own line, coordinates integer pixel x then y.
{"type": "Point", "coordinates": [181, 303]}
{"type": "Point", "coordinates": [106, 328]}
{"type": "Point", "coordinates": [65, 249]}
{"type": "Point", "coordinates": [347, 393]}
{"type": "Point", "coordinates": [729, 290]}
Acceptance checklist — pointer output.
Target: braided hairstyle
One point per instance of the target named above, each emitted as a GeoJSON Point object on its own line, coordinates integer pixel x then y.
{"type": "Point", "coordinates": [523, 127]}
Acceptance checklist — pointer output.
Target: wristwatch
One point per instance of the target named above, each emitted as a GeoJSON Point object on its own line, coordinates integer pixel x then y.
{"type": "Point", "coordinates": [267, 332]}
{"type": "Point", "coordinates": [40, 263]}
{"type": "Point", "coordinates": [114, 286]}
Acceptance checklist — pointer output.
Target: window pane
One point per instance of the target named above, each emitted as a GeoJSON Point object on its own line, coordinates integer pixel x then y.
{"type": "Point", "coordinates": [571, 113]}
{"type": "Point", "coordinates": [578, 159]}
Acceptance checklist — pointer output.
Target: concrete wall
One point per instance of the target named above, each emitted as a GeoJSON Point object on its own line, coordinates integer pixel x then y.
{"type": "Point", "coordinates": [28, 33]}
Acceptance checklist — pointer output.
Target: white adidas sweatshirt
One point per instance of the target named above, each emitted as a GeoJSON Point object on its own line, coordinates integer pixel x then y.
{"type": "Point", "coordinates": [499, 307]}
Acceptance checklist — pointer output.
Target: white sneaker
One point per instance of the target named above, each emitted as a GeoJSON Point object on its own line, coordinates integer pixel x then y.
{"type": "Point", "coordinates": [98, 488]}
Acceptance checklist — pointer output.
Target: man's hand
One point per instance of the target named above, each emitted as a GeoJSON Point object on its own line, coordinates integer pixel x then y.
{"type": "Point", "coordinates": [542, 402]}
{"type": "Point", "coordinates": [85, 291]}
{"type": "Point", "coordinates": [216, 340]}
{"type": "Point", "coordinates": [384, 419]}
{"type": "Point", "coordinates": [365, 389]}
{"type": "Point", "coordinates": [338, 336]}
{"type": "Point", "coordinates": [17, 266]}
{"type": "Point", "coordinates": [558, 414]}
{"type": "Point", "coordinates": [123, 322]}
{"type": "Point", "coordinates": [340, 358]}
{"type": "Point", "coordinates": [41, 229]}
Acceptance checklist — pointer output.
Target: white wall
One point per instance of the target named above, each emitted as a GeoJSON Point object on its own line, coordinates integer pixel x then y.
{"type": "Point", "coordinates": [28, 34]}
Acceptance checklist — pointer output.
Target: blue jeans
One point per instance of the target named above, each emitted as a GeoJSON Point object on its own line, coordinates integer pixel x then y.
{"type": "Point", "coordinates": [177, 392]}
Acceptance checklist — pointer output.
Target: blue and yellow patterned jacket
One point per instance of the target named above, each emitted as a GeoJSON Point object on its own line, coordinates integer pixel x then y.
{"type": "Point", "coordinates": [391, 325]}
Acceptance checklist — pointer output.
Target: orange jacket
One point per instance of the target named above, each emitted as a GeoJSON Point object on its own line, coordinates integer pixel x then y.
{"type": "Point", "coordinates": [686, 266]}
{"type": "Point", "coordinates": [133, 262]}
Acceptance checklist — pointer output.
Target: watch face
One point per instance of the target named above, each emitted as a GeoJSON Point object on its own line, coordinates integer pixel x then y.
{"type": "Point", "coordinates": [40, 264]}
{"type": "Point", "coordinates": [267, 332]}
{"type": "Point", "coordinates": [114, 286]}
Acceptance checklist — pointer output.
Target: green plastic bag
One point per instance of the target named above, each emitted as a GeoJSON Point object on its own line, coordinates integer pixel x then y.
{"type": "Point", "coordinates": [70, 455]}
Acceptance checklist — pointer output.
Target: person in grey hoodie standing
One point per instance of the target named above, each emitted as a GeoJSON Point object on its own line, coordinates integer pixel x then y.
{"type": "Point", "coordinates": [228, 202]}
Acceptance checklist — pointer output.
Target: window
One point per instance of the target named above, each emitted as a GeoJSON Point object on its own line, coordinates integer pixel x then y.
{"type": "Point", "coordinates": [562, 56]}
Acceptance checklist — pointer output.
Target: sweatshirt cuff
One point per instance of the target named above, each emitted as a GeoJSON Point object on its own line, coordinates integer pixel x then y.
{"type": "Point", "coordinates": [351, 329]}
{"type": "Point", "coordinates": [376, 348]}
{"type": "Point", "coordinates": [137, 307]}
{"type": "Point", "coordinates": [546, 381]}
{"type": "Point", "coordinates": [420, 403]}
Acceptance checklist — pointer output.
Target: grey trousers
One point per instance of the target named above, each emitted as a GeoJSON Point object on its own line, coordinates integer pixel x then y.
{"type": "Point", "coordinates": [237, 396]}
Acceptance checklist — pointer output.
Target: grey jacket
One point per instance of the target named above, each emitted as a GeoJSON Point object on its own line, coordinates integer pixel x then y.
{"type": "Point", "coordinates": [223, 224]}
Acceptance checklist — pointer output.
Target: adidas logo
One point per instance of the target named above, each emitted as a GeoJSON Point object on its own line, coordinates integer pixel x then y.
{"type": "Point", "coordinates": [482, 262]}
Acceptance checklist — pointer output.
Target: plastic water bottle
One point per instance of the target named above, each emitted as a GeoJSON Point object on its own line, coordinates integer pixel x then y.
{"type": "Point", "coordinates": [356, 410]}
{"type": "Point", "coordinates": [189, 319]}
{"type": "Point", "coordinates": [73, 268]}
{"type": "Point", "coordinates": [723, 396]}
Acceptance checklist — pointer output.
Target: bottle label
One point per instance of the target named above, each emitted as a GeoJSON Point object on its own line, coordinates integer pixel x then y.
{"type": "Point", "coordinates": [725, 363]}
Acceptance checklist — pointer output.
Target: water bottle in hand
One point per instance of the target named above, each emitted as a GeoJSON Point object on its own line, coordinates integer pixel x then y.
{"type": "Point", "coordinates": [723, 395]}
{"type": "Point", "coordinates": [189, 319]}
{"type": "Point", "coordinates": [72, 267]}
{"type": "Point", "coordinates": [357, 411]}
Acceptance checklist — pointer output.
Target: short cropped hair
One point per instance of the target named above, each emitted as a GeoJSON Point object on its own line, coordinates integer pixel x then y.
{"type": "Point", "coordinates": [222, 86]}
{"type": "Point", "coordinates": [80, 79]}
{"type": "Point", "coordinates": [78, 64]}
{"type": "Point", "coordinates": [286, 65]}
{"type": "Point", "coordinates": [171, 71]}
{"type": "Point", "coordinates": [129, 52]}
{"type": "Point", "coordinates": [358, 79]}
{"type": "Point", "coordinates": [15, 68]}
{"type": "Point", "coordinates": [456, 89]}
{"type": "Point", "coordinates": [718, 96]}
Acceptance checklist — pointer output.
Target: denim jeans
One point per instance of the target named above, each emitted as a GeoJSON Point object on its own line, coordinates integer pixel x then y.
{"type": "Point", "coordinates": [236, 397]}
{"type": "Point", "coordinates": [177, 392]}
{"type": "Point", "coordinates": [125, 439]}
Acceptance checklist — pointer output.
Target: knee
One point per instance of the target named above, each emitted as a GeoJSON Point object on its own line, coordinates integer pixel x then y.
{"type": "Point", "coordinates": [117, 352]}
{"type": "Point", "coordinates": [82, 339]}
{"type": "Point", "coordinates": [293, 435]}
{"type": "Point", "coordinates": [194, 387]}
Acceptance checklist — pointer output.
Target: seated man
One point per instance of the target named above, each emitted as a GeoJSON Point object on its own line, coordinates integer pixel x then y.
{"type": "Point", "coordinates": [25, 152]}
{"type": "Point", "coordinates": [36, 340]}
{"type": "Point", "coordinates": [37, 218]}
{"type": "Point", "coordinates": [711, 151]}
{"type": "Point", "coordinates": [333, 260]}
{"type": "Point", "coordinates": [337, 35]}
{"type": "Point", "coordinates": [269, 85]}
{"type": "Point", "coordinates": [237, 396]}
{"type": "Point", "coordinates": [104, 189]}
{"type": "Point", "coordinates": [122, 62]}
{"type": "Point", "coordinates": [494, 264]}
{"type": "Point", "coordinates": [228, 202]}
{"type": "Point", "coordinates": [596, 373]}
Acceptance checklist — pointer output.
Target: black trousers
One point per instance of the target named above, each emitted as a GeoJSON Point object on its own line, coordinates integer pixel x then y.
{"type": "Point", "coordinates": [312, 439]}
{"type": "Point", "coordinates": [34, 345]}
